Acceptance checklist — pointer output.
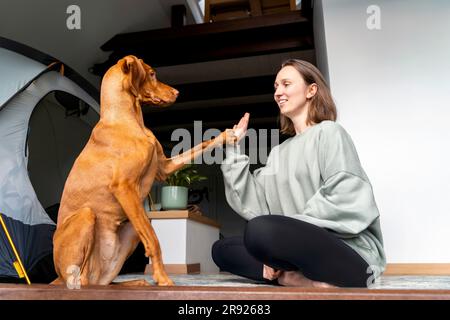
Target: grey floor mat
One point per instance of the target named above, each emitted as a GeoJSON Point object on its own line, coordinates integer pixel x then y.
{"type": "Point", "coordinates": [221, 280]}
{"type": "Point", "coordinates": [228, 280]}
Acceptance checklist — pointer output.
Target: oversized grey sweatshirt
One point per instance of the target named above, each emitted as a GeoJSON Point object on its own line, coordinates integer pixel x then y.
{"type": "Point", "coordinates": [316, 177]}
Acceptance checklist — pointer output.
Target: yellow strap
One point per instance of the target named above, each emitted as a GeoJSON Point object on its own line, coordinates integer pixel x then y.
{"type": "Point", "coordinates": [19, 269]}
{"type": "Point", "coordinates": [17, 264]}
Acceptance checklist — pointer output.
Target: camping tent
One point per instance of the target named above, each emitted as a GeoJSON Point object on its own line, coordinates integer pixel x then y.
{"type": "Point", "coordinates": [45, 120]}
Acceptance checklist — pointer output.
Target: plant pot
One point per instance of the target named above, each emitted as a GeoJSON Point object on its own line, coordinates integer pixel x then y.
{"type": "Point", "coordinates": [174, 198]}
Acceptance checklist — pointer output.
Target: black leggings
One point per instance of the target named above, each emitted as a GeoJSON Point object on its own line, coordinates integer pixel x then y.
{"type": "Point", "coordinates": [289, 244]}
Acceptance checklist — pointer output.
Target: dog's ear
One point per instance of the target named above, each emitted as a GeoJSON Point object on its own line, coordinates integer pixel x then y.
{"type": "Point", "coordinates": [135, 74]}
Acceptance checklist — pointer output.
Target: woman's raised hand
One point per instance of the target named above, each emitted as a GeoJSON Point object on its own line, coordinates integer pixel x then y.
{"type": "Point", "coordinates": [233, 136]}
{"type": "Point", "coordinates": [240, 129]}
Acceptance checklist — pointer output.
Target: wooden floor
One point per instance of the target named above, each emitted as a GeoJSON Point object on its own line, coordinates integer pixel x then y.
{"type": "Point", "coordinates": [118, 292]}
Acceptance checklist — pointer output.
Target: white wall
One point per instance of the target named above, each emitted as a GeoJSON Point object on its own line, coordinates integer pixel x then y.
{"type": "Point", "coordinates": [42, 25]}
{"type": "Point", "coordinates": [392, 88]}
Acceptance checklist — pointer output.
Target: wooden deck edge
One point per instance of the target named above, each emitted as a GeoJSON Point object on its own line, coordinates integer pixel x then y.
{"type": "Point", "coordinates": [117, 292]}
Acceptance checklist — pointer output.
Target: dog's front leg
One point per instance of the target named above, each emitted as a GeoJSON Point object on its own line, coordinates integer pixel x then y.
{"type": "Point", "coordinates": [170, 165]}
{"type": "Point", "coordinates": [126, 194]}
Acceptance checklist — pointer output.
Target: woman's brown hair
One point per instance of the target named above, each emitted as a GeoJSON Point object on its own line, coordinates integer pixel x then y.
{"type": "Point", "coordinates": [321, 106]}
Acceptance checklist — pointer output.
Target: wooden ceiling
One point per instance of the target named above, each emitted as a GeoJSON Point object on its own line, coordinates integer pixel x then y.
{"type": "Point", "coordinates": [219, 103]}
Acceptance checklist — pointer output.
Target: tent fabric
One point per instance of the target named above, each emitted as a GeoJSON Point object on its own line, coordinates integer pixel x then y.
{"type": "Point", "coordinates": [14, 119]}
{"type": "Point", "coordinates": [47, 60]}
{"type": "Point", "coordinates": [13, 76]}
{"type": "Point", "coordinates": [65, 135]}
{"type": "Point", "coordinates": [23, 86]}
{"type": "Point", "coordinates": [32, 244]}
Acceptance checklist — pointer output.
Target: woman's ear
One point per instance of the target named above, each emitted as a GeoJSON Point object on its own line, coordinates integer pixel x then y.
{"type": "Point", "coordinates": [311, 91]}
{"type": "Point", "coordinates": [134, 74]}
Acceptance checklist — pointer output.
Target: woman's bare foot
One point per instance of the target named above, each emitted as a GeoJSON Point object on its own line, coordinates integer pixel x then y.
{"type": "Point", "coordinates": [294, 279]}
{"type": "Point", "coordinates": [297, 279]}
{"type": "Point", "coordinates": [318, 284]}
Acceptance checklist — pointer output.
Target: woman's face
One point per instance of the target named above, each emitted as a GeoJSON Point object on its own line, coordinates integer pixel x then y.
{"type": "Point", "coordinates": [291, 91]}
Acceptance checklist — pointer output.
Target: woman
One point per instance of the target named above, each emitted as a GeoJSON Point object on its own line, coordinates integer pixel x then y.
{"type": "Point", "coordinates": [313, 220]}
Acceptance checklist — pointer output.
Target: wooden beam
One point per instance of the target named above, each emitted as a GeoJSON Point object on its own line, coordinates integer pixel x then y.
{"type": "Point", "coordinates": [259, 123]}
{"type": "Point", "coordinates": [217, 113]}
{"type": "Point", "coordinates": [226, 88]}
{"type": "Point", "coordinates": [307, 8]}
{"type": "Point", "coordinates": [255, 7]}
{"type": "Point", "coordinates": [213, 41]}
{"type": "Point", "coordinates": [178, 15]}
{"type": "Point", "coordinates": [204, 29]}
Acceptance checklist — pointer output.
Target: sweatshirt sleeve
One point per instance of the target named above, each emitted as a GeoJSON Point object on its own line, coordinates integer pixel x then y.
{"type": "Point", "coordinates": [344, 203]}
{"type": "Point", "coordinates": [244, 191]}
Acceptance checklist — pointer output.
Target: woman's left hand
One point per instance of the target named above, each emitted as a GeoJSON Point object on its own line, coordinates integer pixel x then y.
{"type": "Point", "coordinates": [233, 136]}
{"type": "Point", "coordinates": [240, 129]}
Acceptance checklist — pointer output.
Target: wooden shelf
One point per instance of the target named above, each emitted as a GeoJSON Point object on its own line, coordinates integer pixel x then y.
{"type": "Point", "coordinates": [182, 214]}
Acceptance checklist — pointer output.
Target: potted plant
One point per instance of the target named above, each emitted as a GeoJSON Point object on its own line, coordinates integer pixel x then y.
{"type": "Point", "coordinates": [175, 195]}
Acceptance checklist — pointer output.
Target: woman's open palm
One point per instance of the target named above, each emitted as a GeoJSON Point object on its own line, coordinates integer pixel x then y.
{"type": "Point", "coordinates": [240, 129]}
{"type": "Point", "coordinates": [233, 136]}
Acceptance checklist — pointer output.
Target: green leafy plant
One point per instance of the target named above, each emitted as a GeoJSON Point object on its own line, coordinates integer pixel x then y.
{"type": "Point", "coordinates": [185, 176]}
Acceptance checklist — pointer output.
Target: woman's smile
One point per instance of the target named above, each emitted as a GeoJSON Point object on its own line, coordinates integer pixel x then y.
{"type": "Point", "coordinates": [282, 102]}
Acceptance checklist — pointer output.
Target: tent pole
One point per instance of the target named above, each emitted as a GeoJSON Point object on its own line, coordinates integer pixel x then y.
{"type": "Point", "coordinates": [17, 264]}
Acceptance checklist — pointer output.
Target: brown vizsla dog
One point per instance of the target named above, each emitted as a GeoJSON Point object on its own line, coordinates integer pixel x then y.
{"type": "Point", "coordinates": [101, 218]}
